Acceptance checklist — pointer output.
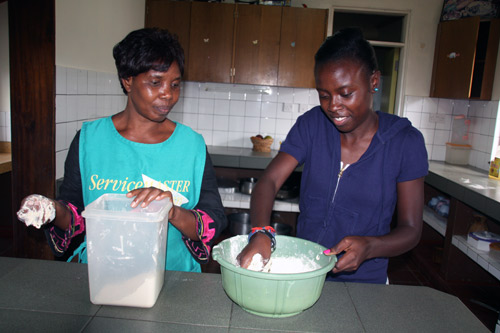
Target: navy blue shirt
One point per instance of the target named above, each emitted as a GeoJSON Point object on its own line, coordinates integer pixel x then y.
{"type": "Point", "coordinates": [362, 201]}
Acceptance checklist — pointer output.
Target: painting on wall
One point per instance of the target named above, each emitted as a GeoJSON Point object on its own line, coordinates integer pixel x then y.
{"type": "Point", "coordinates": [457, 9]}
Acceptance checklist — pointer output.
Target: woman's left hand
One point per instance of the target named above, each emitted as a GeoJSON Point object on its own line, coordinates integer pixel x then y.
{"type": "Point", "coordinates": [144, 196]}
{"type": "Point", "coordinates": [356, 250]}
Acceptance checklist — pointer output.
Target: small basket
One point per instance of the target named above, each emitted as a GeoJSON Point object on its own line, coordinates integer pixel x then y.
{"type": "Point", "coordinates": [262, 145]}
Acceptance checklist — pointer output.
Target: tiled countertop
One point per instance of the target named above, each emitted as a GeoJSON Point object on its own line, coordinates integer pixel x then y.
{"type": "Point", "coordinates": [196, 302]}
{"type": "Point", "coordinates": [474, 188]}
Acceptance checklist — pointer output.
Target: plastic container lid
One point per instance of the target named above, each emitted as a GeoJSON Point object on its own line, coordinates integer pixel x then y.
{"type": "Point", "coordinates": [115, 206]}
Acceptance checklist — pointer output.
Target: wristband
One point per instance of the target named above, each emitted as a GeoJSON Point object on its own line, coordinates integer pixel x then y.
{"type": "Point", "coordinates": [268, 231]}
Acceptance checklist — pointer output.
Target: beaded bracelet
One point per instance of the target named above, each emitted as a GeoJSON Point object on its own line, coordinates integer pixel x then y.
{"type": "Point", "coordinates": [268, 231]}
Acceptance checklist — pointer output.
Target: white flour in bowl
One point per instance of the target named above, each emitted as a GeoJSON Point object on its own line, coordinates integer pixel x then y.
{"type": "Point", "coordinates": [283, 265]}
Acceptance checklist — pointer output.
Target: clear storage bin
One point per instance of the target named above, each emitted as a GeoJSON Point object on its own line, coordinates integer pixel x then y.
{"type": "Point", "coordinates": [126, 249]}
{"type": "Point", "coordinates": [457, 154]}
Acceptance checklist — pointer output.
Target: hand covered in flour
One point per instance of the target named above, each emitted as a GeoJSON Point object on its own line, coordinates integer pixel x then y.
{"type": "Point", "coordinates": [36, 210]}
{"type": "Point", "coordinates": [257, 252]}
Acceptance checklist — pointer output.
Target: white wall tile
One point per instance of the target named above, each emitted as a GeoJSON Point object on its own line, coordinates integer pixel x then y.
{"type": "Point", "coordinates": [206, 106]}
{"type": "Point", "coordinates": [285, 95]}
{"type": "Point", "coordinates": [283, 126]}
{"type": "Point", "coordinates": [237, 108]}
{"type": "Point", "coordinates": [425, 121]}
{"type": "Point", "coordinates": [71, 81]}
{"type": "Point", "coordinates": [71, 108]}
{"type": "Point", "coordinates": [61, 137]}
{"type": "Point", "coordinates": [91, 82]}
{"type": "Point", "coordinates": [207, 135]}
{"type": "Point", "coordinates": [438, 153]}
{"type": "Point", "coordinates": [430, 105]}
{"type": "Point", "coordinates": [268, 126]}
{"type": "Point", "coordinates": [221, 107]}
{"type": "Point", "coordinates": [413, 103]}
{"type": "Point", "coordinates": [191, 120]}
{"type": "Point", "coordinates": [445, 106]}
{"type": "Point", "coordinates": [252, 125]}
{"type": "Point", "coordinates": [81, 81]}
{"type": "Point", "coordinates": [60, 108]}
{"type": "Point", "coordinates": [191, 105]}
{"type": "Point", "coordinates": [301, 96]}
{"type": "Point", "coordinates": [252, 109]}
{"type": "Point", "coordinates": [441, 137]}
{"type": "Point", "coordinates": [461, 107]}
{"type": "Point", "coordinates": [446, 124]}
{"type": "Point", "coordinates": [428, 135]}
{"type": "Point", "coordinates": [268, 110]}
{"type": "Point", "coordinates": [191, 89]}
{"type": "Point", "coordinates": [60, 158]}
{"type": "Point", "coordinates": [236, 123]}
{"type": "Point", "coordinates": [60, 80]}
{"type": "Point", "coordinates": [221, 123]}
{"type": "Point", "coordinates": [234, 139]}
{"type": "Point", "coordinates": [82, 109]}
{"type": "Point", "coordinates": [414, 118]}
{"type": "Point", "coordinates": [220, 138]}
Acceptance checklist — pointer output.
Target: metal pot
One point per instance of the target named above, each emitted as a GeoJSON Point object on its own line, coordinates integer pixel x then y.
{"type": "Point", "coordinates": [247, 185]}
{"type": "Point", "coordinates": [239, 224]}
{"type": "Point", "coordinates": [287, 192]}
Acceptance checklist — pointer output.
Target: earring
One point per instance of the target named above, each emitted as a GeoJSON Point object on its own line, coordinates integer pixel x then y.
{"type": "Point", "coordinates": [375, 89]}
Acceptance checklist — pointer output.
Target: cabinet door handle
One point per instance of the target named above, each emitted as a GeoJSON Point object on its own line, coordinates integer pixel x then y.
{"type": "Point", "coordinates": [453, 55]}
{"type": "Point", "coordinates": [206, 40]}
{"type": "Point", "coordinates": [255, 42]}
{"type": "Point", "coordinates": [292, 44]}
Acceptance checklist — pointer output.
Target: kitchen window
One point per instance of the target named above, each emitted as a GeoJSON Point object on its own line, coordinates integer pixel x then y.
{"type": "Point", "coordinates": [386, 31]}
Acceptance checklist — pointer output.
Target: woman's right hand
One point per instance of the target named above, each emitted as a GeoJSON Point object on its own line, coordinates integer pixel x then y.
{"type": "Point", "coordinates": [36, 210]}
{"type": "Point", "coordinates": [259, 243]}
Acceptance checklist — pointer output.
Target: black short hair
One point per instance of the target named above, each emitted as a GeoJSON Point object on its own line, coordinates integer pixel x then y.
{"type": "Point", "coordinates": [347, 43]}
{"type": "Point", "coordinates": [145, 49]}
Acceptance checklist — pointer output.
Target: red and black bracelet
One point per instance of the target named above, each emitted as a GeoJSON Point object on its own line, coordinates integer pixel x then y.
{"type": "Point", "coordinates": [268, 231]}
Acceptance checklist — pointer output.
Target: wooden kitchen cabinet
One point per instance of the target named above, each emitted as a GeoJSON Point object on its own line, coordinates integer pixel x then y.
{"type": "Point", "coordinates": [175, 16]}
{"type": "Point", "coordinates": [211, 42]}
{"type": "Point", "coordinates": [465, 58]}
{"type": "Point", "coordinates": [244, 44]}
{"type": "Point", "coordinates": [303, 30]}
{"type": "Point", "coordinates": [257, 44]}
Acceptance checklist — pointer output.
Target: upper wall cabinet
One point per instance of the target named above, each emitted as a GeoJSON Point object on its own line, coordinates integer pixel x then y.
{"type": "Point", "coordinates": [302, 32]}
{"type": "Point", "coordinates": [465, 59]}
{"type": "Point", "coordinates": [241, 43]}
{"type": "Point", "coordinates": [173, 16]}
{"type": "Point", "coordinates": [257, 44]}
{"type": "Point", "coordinates": [211, 42]}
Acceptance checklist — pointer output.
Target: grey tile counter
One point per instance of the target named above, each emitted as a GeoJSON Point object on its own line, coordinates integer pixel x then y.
{"type": "Point", "coordinates": [38, 295]}
{"type": "Point", "coordinates": [231, 157]}
{"type": "Point", "coordinates": [469, 185]}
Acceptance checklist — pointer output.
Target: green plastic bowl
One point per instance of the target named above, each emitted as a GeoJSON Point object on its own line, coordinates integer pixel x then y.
{"type": "Point", "coordinates": [273, 295]}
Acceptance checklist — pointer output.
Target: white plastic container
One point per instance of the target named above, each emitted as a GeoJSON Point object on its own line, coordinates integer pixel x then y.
{"type": "Point", "coordinates": [126, 250]}
{"type": "Point", "coordinates": [457, 154]}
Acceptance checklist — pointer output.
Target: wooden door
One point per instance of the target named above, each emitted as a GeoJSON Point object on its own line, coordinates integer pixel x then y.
{"type": "Point", "coordinates": [454, 58]}
{"type": "Point", "coordinates": [302, 32]}
{"type": "Point", "coordinates": [211, 42]}
{"type": "Point", "coordinates": [174, 16]}
{"type": "Point", "coordinates": [257, 42]}
{"type": "Point", "coordinates": [32, 94]}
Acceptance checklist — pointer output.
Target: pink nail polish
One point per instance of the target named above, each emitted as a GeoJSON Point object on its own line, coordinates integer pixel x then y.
{"type": "Point", "coordinates": [327, 251]}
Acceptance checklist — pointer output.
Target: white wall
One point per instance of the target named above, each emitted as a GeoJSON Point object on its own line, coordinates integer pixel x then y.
{"type": "Point", "coordinates": [86, 31]}
{"type": "Point", "coordinates": [4, 74]}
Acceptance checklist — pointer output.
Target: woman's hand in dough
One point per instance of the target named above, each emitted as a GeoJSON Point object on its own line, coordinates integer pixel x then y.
{"type": "Point", "coordinates": [144, 196]}
{"type": "Point", "coordinates": [259, 243]}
